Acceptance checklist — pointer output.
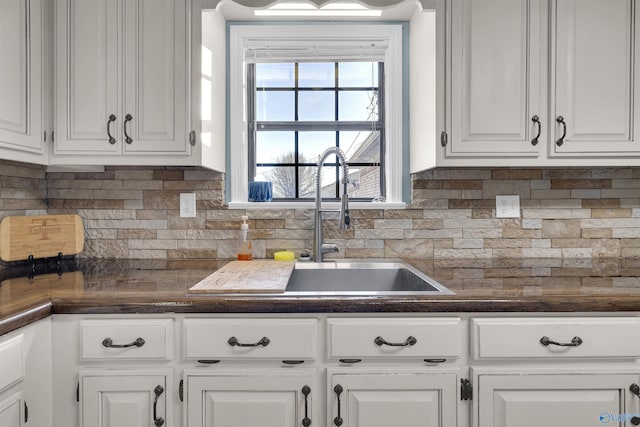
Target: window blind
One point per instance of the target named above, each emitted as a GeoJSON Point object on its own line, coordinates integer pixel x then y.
{"type": "Point", "coordinates": [325, 50]}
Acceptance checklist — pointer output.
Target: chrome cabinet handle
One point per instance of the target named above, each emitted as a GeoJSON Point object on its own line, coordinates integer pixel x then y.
{"type": "Point", "coordinates": [127, 138]}
{"type": "Point", "coordinates": [408, 342]}
{"type": "Point", "coordinates": [112, 118]}
{"type": "Point", "coordinates": [158, 421]}
{"type": "Point", "coordinates": [233, 342]}
{"type": "Point", "coordinates": [338, 391]}
{"type": "Point", "coordinates": [108, 342]}
{"type": "Point", "coordinates": [306, 421]}
{"type": "Point", "coordinates": [536, 120]}
{"type": "Point", "coordinates": [575, 342]}
{"type": "Point", "coordinates": [561, 121]}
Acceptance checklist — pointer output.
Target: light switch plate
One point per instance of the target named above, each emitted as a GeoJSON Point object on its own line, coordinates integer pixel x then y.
{"type": "Point", "coordinates": [187, 205]}
{"type": "Point", "coordinates": [508, 206]}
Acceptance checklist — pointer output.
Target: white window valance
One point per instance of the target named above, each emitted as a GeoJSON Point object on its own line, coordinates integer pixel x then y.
{"type": "Point", "coordinates": [377, 4]}
{"type": "Point", "coordinates": [370, 3]}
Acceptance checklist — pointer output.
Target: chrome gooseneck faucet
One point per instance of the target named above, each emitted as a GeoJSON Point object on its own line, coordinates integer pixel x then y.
{"type": "Point", "coordinates": [319, 247]}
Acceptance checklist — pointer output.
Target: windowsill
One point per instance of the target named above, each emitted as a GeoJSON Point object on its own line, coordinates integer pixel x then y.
{"type": "Point", "coordinates": [312, 205]}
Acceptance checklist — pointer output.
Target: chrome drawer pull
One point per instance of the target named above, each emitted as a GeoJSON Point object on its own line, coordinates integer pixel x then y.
{"type": "Point", "coordinates": [108, 342]}
{"type": "Point", "coordinates": [408, 342]}
{"type": "Point", "coordinates": [233, 342]}
{"type": "Point", "coordinates": [575, 342]}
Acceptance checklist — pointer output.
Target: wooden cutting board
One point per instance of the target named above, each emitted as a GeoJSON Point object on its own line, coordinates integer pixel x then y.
{"type": "Point", "coordinates": [248, 276]}
{"type": "Point", "coordinates": [42, 236]}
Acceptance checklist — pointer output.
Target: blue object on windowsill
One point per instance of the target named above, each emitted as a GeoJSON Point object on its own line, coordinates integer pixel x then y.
{"type": "Point", "coordinates": [260, 191]}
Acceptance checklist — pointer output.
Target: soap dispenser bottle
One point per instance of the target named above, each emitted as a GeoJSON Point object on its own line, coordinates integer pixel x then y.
{"type": "Point", "coordinates": [244, 241]}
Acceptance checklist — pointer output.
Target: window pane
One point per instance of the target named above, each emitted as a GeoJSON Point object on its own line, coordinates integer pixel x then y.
{"type": "Point", "coordinates": [358, 106]}
{"type": "Point", "coordinates": [358, 74]}
{"type": "Point", "coordinates": [316, 106]}
{"type": "Point", "coordinates": [307, 179]}
{"type": "Point", "coordinates": [283, 182]}
{"type": "Point", "coordinates": [274, 105]}
{"type": "Point", "coordinates": [312, 144]}
{"type": "Point", "coordinates": [275, 75]}
{"type": "Point", "coordinates": [275, 147]}
{"type": "Point", "coordinates": [320, 74]}
{"type": "Point", "coordinates": [328, 182]}
{"type": "Point", "coordinates": [361, 147]}
{"type": "Point", "coordinates": [364, 182]}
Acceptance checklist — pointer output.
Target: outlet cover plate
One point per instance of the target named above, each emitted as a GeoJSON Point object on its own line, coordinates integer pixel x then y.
{"type": "Point", "coordinates": [187, 205]}
{"type": "Point", "coordinates": [508, 206]}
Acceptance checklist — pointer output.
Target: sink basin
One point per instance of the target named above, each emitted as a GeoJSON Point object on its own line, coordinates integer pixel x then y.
{"type": "Point", "coordinates": [362, 278]}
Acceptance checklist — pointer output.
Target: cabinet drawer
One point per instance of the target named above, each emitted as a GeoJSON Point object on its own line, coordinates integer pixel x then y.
{"type": "Point", "coordinates": [581, 336]}
{"type": "Point", "coordinates": [250, 338]}
{"type": "Point", "coordinates": [11, 361]}
{"type": "Point", "coordinates": [122, 339]}
{"type": "Point", "coordinates": [413, 338]}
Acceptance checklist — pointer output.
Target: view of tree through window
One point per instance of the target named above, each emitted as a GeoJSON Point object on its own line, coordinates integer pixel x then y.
{"type": "Point", "coordinates": [297, 110]}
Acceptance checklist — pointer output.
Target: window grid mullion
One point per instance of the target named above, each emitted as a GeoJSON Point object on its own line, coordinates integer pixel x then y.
{"type": "Point", "coordinates": [296, 135]}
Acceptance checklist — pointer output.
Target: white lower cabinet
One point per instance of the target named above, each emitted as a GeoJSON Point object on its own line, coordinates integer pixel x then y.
{"type": "Point", "coordinates": [383, 398]}
{"type": "Point", "coordinates": [125, 398]}
{"type": "Point", "coordinates": [271, 397]}
{"type": "Point", "coordinates": [12, 410]}
{"type": "Point", "coordinates": [555, 371]}
{"type": "Point", "coordinates": [465, 370]}
{"type": "Point", "coordinates": [515, 397]}
{"type": "Point", "coordinates": [25, 376]}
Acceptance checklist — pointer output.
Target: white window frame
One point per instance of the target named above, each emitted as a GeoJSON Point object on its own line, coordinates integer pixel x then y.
{"type": "Point", "coordinates": [240, 37]}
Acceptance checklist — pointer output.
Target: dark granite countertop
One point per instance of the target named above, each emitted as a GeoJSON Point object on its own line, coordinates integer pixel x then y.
{"type": "Point", "coordinates": [148, 286]}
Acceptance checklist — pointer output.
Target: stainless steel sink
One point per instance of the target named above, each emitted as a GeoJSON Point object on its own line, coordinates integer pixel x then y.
{"type": "Point", "coordinates": [349, 277]}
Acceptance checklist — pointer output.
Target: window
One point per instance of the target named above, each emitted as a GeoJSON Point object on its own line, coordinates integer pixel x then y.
{"type": "Point", "coordinates": [293, 97]}
{"type": "Point", "coordinates": [299, 109]}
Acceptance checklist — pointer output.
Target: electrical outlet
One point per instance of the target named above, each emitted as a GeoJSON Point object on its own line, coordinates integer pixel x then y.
{"type": "Point", "coordinates": [187, 205]}
{"type": "Point", "coordinates": [508, 206]}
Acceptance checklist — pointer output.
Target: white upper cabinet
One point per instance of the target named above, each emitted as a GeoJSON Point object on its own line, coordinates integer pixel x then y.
{"type": "Point", "coordinates": [595, 94]}
{"type": "Point", "coordinates": [497, 77]}
{"type": "Point", "coordinates": [121, 82]}
{"type": "Point", "coordinates": [155, 91]}
{"type": "Point", "coordinates": [537, 83]}
{"type": "Point", "coordinates": [21, 74]}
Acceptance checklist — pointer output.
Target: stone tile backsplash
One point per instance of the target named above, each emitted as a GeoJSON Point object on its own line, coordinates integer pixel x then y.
{"type": "Point", "coordinates": [133, 212]}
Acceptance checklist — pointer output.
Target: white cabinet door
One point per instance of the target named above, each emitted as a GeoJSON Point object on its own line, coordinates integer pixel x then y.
{"type": "Point", "coordinates": [12, 410]}
{"type": "Point", "coordinates": [383, 399]}
{"type": "Point", "coordinates": [155, 89]}
{"type": "Point", "coordinates": [123, 399]}
{"type": "Point", "coordinates": [596, 95]}
{"type": "Point", "coordinates": [497, 78]}
{"type": "Point", "coordinates": [87, 73]}
{"type": "Point", "coordinates": [121, 78]}
{"type": "Point", "coordinates": [554, 400]}
{"type": "Point", "coordinates": [21, 75]}
{"type": "Point", "coordinates": [268, 398]}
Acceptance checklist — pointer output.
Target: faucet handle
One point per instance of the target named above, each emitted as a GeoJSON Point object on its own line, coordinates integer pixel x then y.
{"type": "Point", "coordinates": [330, 247]}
